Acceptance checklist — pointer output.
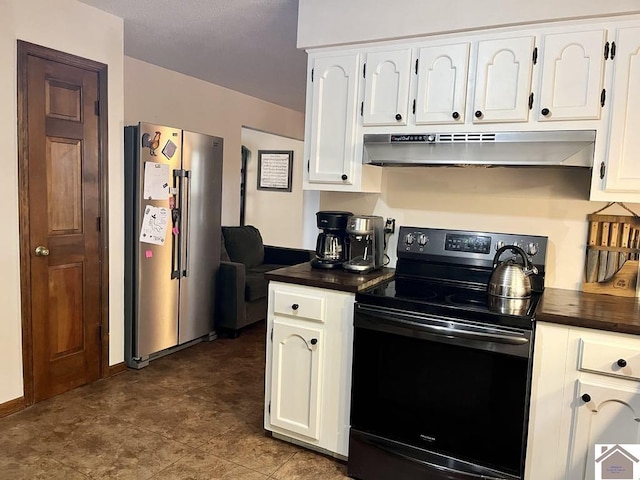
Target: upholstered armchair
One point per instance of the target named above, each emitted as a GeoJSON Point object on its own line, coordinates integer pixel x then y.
{"type": "Point", "coordinates": [241, 287]}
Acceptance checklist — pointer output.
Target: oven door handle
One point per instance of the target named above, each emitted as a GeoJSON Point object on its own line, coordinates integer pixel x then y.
{"type": "Point", "coordinates": [481, 334]}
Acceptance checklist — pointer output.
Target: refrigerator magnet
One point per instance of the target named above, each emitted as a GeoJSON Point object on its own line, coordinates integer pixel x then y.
{"type": "Point", "coordinates": [169, 149]}
{"type": "Point", "coordinates": [148, 254]}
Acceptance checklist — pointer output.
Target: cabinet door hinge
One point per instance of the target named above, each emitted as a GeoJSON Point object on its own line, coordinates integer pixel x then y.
{"type": "Point", "coordinates": [99, 224]}
{"type": "Point", "coordinates": [602, 170]}
{"type": "Point", "coordinates": [534, 58]}
{"type": "Point", "coordinates": [603, 97]}
{"type": "Point", "coordinates": [312, 74]}
{"type": "Point", "coordinates": [269, 408]}
{"type": "Point", "coordinates": [271, 335]}
{"type": "Point", "coordinates": [606, 51]}
{"type": "Point", "coordinates": [613, 50]}
{"type": "Point", "coordinates": [414, 106]}
{"type": "Point", "coordinates": [361, 109]}
{"type": "Point", "coordinates": [308, 166]}
{"type": "Point", "coordinates": [416, 66]}
{"type": "Point", "coordinates": [100, 334]}
{"type": "Point", "coordinates": [531, 101]}
{"type": "Point", "coordinates": [364, 71]}
{"type": "Point", "coordinates": [97, 107]}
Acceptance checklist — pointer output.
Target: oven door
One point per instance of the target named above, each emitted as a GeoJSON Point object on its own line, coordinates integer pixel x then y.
{"type": "Point", "coordinates": [437, 398]}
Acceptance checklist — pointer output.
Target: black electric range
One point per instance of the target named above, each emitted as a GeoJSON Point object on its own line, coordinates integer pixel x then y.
{"type": "Point", "coordinates": [446, 272]}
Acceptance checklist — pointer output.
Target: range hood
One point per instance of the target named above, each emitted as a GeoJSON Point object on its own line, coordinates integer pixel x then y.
{"type": "Point", "coordinates": [560, 148]}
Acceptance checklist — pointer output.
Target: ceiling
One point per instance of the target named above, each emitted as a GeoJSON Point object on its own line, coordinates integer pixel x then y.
{"type": "Point", "coordinates": [245, 45]}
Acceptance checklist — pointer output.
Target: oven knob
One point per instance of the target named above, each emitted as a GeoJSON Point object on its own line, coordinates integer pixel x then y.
{"type": "Point", "coordinates": [499, 245]}
{"type": "Point", "coordinates": [422, 239]}
{"type": "Point", "coordinates": [532, 249]}
{"type": "Point", "coordinates": [409, 239]}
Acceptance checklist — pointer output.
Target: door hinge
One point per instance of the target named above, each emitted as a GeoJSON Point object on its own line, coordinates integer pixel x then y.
{"type": "Point", "coordinates": [603, 97]}
{"type": "Point", "coordinates": [602, 170]}
{"type": "Point", "coordinates": [99, 224]}
{"type": "Point", "coordinates": [606, 51]}
{"type": "Point", "coordinates": [99, 333]}
{"type": "Point", "coordinates": [531, 101]}
{"type": "Point", "coordinates": [414, 106]}
{"type": "Point", "coordinates": [97, 107]}
{"type": "Point", "coordinates": [416, 66]}
{"type": "Point", "coordinates": [535, 56]}
{"type": "Point", "coordinates": [362, 109]}
{"type": "Point", "coordinates": [613, 50]}
{"type": "Point", "coordinates": [312, 74]}
{"type": "Point", "coordinates": [364, 71]}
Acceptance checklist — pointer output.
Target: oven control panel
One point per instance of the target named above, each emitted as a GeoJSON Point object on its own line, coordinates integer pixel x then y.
{"type": "Point", "coordinates": [459, 246]}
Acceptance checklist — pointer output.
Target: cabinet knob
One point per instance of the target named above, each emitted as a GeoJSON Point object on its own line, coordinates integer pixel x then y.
{"type": "Point", "coordinates": [545, 111]}
{"type": "Point", "coordinates": [295, 306]}
{"type": "Point", "coordinates": [398, 117]}
{"type": "Point", "coordinates": [586, 398]}
{"type": "Point", "coordinates": [344, 176]}
{"type": "Point", "coordinates": [314, 341]}
{"type": "Point", "coordinates": [455, 115]}
{"type": "Point", "coordinates": [478, 114]}
{"type": "Point", "coordinates": [622, 363]}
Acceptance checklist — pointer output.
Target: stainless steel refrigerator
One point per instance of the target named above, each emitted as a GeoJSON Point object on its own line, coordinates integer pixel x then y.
{"type": "Point", "coordinates": [173, 185]}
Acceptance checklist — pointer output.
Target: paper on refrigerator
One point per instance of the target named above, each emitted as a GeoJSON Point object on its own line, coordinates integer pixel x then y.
{"type": "Point", "coordinates": [156, 181]}
{"type": "Point", "coordinates": [154, 225]}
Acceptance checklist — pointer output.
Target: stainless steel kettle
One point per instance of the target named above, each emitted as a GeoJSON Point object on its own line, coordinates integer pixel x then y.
{"type": "Point", "coordinates": [510, 279]}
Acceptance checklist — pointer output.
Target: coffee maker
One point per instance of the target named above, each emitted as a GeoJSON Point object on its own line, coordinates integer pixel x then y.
{"type": "Point", "coordinates": [331, 248]}
{"type": "Point", "coordinates": [365, 239]}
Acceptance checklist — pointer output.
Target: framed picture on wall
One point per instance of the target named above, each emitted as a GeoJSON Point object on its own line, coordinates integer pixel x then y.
{"type": "Point", "coordinates": [275, 168]}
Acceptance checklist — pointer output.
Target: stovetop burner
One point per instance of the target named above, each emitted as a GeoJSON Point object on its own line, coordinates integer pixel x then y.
{"type": "Point", "coordinates": [446, 272]}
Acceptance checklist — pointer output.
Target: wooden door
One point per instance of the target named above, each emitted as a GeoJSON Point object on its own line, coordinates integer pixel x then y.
{"type": "Point", "coordinates": [295, 378]}
{"type": "Point", "coordinates": [386, 92]}
{"type": "Point", "coordinates": [61, 219]}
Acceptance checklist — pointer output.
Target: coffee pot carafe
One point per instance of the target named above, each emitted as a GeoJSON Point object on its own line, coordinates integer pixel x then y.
{"type": "Point", "coordinates": [331, 249]}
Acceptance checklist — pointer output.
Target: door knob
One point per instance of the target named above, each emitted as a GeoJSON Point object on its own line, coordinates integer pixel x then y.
{"type": "Point", "coordinates": [42, 251]}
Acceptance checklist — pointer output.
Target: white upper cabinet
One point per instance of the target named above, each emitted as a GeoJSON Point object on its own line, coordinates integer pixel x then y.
{"type": "Point", "coordinates": [442, 84]}
{"type": "Point", "coordinates": [503, 80]}
{"type": "Point", "coordinates": [572, 76]}
{"type": "Point", "coordinates": [331, 127]}
{"type": "Point", "coordinates": [386, 96]}
{"type": "Point", "coordinates": [623, 166]}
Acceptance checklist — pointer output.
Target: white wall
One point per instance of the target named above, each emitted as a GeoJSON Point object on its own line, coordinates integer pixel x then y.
{"type": "Point", "coordinates": [335, 22]}
{"type": "Point", "coordinates": [548, 202]}
{"type": "Point", "coordinates": [157, 95]}
{"type": "Point", "coordinates": [281, 217]}
{"type": "Point", "coordinates": [75, 28]}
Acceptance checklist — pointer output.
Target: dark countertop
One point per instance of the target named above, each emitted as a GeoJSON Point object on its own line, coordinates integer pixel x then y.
{"type": "Point", "coordinates": [590, 310]}
{"type": "Point", "coordinates": [332, 279]}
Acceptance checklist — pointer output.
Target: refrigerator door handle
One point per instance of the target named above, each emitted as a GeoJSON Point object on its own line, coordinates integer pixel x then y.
{"type": "Point", "coordinates": [184, 250]}
{"type": "Point", "coordinates": [175, 221]}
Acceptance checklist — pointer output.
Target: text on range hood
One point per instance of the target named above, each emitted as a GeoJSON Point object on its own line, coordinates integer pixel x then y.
{"type": "Point", "coordinates": [565, 148]}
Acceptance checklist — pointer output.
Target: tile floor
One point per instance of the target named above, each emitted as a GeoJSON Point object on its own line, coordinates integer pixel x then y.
{"type": "Point", "coordinates": [195, 414]}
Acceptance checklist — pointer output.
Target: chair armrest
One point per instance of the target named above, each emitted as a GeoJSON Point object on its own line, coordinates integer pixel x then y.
{"type": "Point", "coordinates": [286, 256]}
{"type": "Point", "coordinates": [231, 282]}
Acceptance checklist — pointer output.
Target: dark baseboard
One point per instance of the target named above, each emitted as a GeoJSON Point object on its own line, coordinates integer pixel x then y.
{"type": "Point", "coordinates": [12, 406]}
{"type": "Point", "coordinates": [117, 369]}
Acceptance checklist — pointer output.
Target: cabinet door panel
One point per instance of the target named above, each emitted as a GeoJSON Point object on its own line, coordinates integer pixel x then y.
{"type": "Point", "coordinates": [386, 95]}
{"type": "Point", "coordinates": [572, 76]}
{"type": "Point", "coordinates": [609, 416]}
{"type": "Point", "coordinates": [503, 80]}
{"type": "Point", "coordinates": [332, 148]}
{"type": "Point", "coordinates": [623, 169]}
{"type": "Point", "coordinates": [295, 377]}
{"type": "Point", "coordinates": [442, 84]}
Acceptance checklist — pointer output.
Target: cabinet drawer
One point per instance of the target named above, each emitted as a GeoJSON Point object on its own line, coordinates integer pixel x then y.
{"type": "Point", "coordinates": [618, 360]}
{"type": "Point", "coordinates": [299, 305]}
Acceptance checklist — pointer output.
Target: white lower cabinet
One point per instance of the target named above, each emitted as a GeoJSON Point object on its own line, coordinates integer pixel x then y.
{"type": "Point", "coordinates": [308, 366]}
{"type": "Point", "coordinates": [585, 392]}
